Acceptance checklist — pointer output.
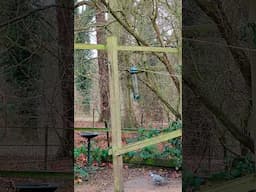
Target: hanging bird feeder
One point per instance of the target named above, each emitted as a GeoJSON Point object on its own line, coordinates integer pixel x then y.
{"type": "Point", "coordinates": [133, 72]}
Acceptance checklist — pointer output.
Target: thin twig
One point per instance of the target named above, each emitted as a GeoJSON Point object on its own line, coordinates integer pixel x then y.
{"type": "Point", "coordinates": [16, 19]}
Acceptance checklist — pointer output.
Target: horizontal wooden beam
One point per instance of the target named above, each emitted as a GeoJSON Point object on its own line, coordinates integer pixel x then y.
{"type": "Point", "coordinates": [89, 46]}
{"type": "Point", "coordinates": [92, 129]}
{"type": "Point", "coordinates": [105, 129]}
{"type": "Point", "coordinates": [148, 49]}
{"type": "Point", "coordinates": [36, 174]}
{"type": "Point", "coordinates": [127, 48]}
{"type": "Point", "coordinates": [151, 141]}
{"type": "Point", "coordinates": [101, 129]}
{"type": "Point", "coordinates": [245, 183]}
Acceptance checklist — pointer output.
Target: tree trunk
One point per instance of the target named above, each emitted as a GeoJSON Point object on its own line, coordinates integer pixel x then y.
{"type": "Point", "coordinates": [103, 68]}
{"type": "Point", "coordinates": [65, 43]}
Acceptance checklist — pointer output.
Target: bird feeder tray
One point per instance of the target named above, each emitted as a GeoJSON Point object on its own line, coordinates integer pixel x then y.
{"type": "Point", "coordinates": [89, 135]}
{"type": "Point", "coordinates": [36, 187]}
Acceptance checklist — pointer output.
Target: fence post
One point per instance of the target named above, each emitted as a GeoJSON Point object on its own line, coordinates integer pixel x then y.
{"type": "Point", "coordinates": [115, 110]}
{"type": "Point", "coordinates": [252, 57]}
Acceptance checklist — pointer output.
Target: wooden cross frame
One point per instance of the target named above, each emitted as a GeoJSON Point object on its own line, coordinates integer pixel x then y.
{"type": "Point", "coordinates": [118, 150]}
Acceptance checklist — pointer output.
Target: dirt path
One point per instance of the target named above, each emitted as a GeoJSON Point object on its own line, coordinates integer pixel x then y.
{"type": "Point", "coordinates": [144, 184]}
{"type": "Point", "coordinates": [135, 180]}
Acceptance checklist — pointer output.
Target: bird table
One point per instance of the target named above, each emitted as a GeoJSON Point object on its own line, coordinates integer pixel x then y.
{"type": "Point", "coordinates": [88, 136]}
{"type": "Point", "coordinates": [36, 187]}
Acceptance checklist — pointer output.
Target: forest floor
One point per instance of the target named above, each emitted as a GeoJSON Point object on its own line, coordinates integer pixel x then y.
{"type": "Point", "coordinates": [135, 180]}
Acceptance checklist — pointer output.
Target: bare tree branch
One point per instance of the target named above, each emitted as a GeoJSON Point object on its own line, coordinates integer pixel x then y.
{"type": "Point", "coordinates": [215, 11]}
{"type": "Point", "coordinates": [176, 113]}
{"type": "Point", "coordinates": [82, 3]}
{"type": "Point", "coordinates": [163, 59]}
{"type": "Point", "coordinates": [222, 117]}
{"type": "Point", "coordinates": [18, 18]}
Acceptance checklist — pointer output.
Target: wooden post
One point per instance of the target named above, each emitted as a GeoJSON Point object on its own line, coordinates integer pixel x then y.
{"type": "Point", "coordinates": [115, 110]}
{"type": "Point", "coordinates": [46, 148]}
{"type": "Point", "coordinates": [252, 120]}
{"type": "Point", "coordinates": [93, 113]}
